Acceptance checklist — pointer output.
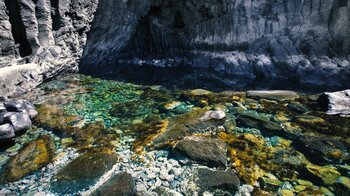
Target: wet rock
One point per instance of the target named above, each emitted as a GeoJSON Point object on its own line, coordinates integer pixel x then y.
{"type": "Point", "coordinates": [308, 119]}
{"type": "Point", "coordinates": [188, 124]}
{"type": "Point", "coordinates": [270, 184]}
{"type": "Point", "coordinates": [342, 186]}
{"type": "Point", "coordinates": [21, 106]}
{"type": "Point", "coordinates": [200, 92]}
{"type": "Point", "coordinates": [206, 150]}
{"type": "Point", "coordinates": [273, 95]}
{"type": "Point", "coordinates": [119, 184]}
{"type": "Point", "coordinates": [33, 156]}
{"type": "Point", "coordinates": [218, 115]}
{"type": "Point", "coordinates": [322, 150]}
{"type": "Point", "coordinates": [19, 121]}
{"type": "Point", "coordinates": [213, 180]}
{"type": "Point", "coordinates": [326, 175]}
{"type": "Point", "coordinates": [6, 132]}
{"type": "Point", "coordinates": [83, 171]}
{"type": "Point", "coordinates": [298, 107]}
{"type": "Point", "coordinates": [336, 102]}
{"type": "Point", "coordinates": [2, 107]}
{"type": "Point", "coordinates": [267, 127]}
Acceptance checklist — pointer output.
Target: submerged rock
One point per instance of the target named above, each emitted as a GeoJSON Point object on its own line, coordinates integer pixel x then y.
{"type": "Point", "coordinates": [298, 107]}
{"type": "Point", "coordinates": [342, 186]}
{"type": "Point", "coordinates": [270, 184]}
{"type": "Point", "coordinates": [336, 102]}
{"type": "Point", "coordinates": [278, 95]}
{"type": "Point", "coordinates": [197, 121]}
{"type": "Point", "coordinates": [33, 156]}
{"type": "Point", "coordinates": [119, 184]}
{"type": "Point", "coordinates": [266, 127]}
{"type": "Point", "coordinates": [209, 151]}
{"type": "Point", "coordinates": [213, 180]}
{"type": "Point", "coordinates": [83, 171]}
{"type": "Point", "coordinates": [326, 175]}
{"type": "Point", "coordinates": [322, 150]}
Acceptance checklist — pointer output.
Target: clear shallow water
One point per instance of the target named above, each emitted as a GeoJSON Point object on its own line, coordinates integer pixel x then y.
{"type": "Point", "coordinates": [277, 146]}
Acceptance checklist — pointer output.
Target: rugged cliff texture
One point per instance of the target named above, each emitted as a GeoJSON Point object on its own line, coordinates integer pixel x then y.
{"type": "Point", "coordinates": [39, 39]}
{"type": "Point", "coordinates": [307, 41]}
{"type": "Point", "coordinates": [304, 40]}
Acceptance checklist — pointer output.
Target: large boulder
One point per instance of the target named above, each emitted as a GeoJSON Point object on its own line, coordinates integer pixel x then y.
{"type": "Point", "coordinates": [214, 180]}
{"type": "Point", "coordinates": [211, 152]}
{"type": "Point", "coordinates": [83, 172]}
{"type": "Point", "coordinates": [119, 184]}
{"type": "Point", "coordinates": [33, 156]}
{"type": "Point", "coordinates": [336, 102]}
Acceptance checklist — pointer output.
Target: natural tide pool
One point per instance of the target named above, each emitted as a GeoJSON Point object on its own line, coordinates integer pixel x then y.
{"type": "Point", "coordinates": [178, 142]}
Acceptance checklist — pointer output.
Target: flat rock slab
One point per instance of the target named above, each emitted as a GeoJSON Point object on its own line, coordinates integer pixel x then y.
{"type": "Point", "coordinates": [83, 172]}
{"type": "Point", "coordinates": [211, 180]}
{"type": "Point", "coordinates": [278, 95]}
{"type": "Point", "coordinates": [336, 102]}
{"type": "Point", "coordinates": [119, 184]}
{"type": "Point", "coordinates": [211, 152]}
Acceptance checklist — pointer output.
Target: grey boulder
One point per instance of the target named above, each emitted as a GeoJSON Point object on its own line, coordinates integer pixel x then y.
{"type": "Point", "coordinates": [211, 152]}
{"type": "Point", "coordinates": [19, 121]}
{"type": "Point", "coordinates": [336, 102]}
{"type": "Point", "coordinates": [6, 132]}
{"type": "Point", "coordinates": [21, 106]}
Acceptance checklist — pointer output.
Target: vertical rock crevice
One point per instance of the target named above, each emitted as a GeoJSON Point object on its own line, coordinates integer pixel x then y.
{"type": "Point", "coordinates": [18, 29]}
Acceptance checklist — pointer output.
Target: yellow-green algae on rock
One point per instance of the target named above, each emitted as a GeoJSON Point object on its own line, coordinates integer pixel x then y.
{"type": "Point", "coordinates": [31, 157]}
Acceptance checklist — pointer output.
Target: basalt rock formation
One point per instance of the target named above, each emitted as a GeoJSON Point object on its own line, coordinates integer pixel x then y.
{"type": "Point", "coordinates": [39, 39]}
{"type": "Point", "coordinates": [301, 40]}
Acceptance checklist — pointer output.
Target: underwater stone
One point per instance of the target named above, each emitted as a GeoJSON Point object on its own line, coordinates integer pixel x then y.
{"type": "Point", "coordinates": [296, 106]}
{"type": "Point", "coordinates": [342, 186]}
{"type": "Point", "coordinates": [33, 156]}
{"type": "Point", "coordinates": [270, 184]}
{"type": "Point", "coordinates": [211, 180]}
{"type": "Point", "coordinates": [278, 95]}
{"type": "Point", "coordinates": [322, 150]}
{"type": "Point", "coordinates": [209, 151]}
{"type": "Point", "coordinates": [267, 127]}
{"type": "Point", "coordinates": [83, 171]}
{"type": "Point", "coordinates": [326, 175]}
{"type": "Point", "coordinates": [119, 184]}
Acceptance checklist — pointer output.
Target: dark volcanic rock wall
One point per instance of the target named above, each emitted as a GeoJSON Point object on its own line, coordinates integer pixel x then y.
{"type": "Point", "coordinates": [304, 40]}
{"type": "Point", "coordinates": [307, 41]}
{"type": "Point", "coordinates": [39, 39]}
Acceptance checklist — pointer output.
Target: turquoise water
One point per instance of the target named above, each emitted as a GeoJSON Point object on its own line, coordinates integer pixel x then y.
{"type": "Point", "coordinates": [275, 145]}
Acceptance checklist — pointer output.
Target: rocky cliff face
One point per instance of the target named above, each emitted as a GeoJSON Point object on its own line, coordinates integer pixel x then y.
{"type": "Point", "coordinates": [39, 39]}
{"type": "Point", "coordinates": [304, 40]}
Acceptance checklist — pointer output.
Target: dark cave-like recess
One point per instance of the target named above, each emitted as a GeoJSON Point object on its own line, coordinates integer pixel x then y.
{"type": "Point", "coordinates": [17, 28]}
